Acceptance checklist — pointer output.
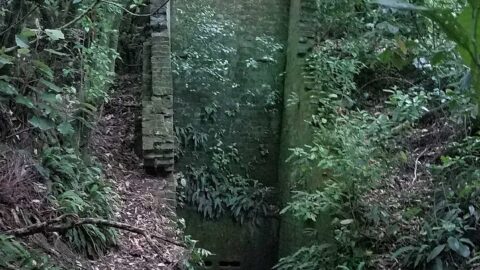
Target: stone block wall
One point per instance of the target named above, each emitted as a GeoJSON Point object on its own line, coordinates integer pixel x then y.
{"type": "Point", "coordinates": [157, 100]}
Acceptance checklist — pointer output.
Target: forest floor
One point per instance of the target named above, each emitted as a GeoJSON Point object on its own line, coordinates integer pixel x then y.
{"type": "Point", "coordinates": [408, 191]}
{"type": "Point", "coordinates": [140, 204]}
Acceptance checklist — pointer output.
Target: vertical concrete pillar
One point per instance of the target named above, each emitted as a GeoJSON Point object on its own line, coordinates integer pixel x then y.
{"type": "Point", "coordinates": [157, 102]}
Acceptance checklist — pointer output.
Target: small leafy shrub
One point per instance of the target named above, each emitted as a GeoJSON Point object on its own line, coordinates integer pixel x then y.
{"type": "Point", "coordinates": [307, 258]}
{"type": "Point", "coordinates": [407, 106]}
{"type": "Point", "coordinates": [190, 137]}
{"type": "Point", "coordinates": [215, 195]}
{"type": "Point", "coordinates": [346, 158]}
{"type": "Point", "coordinates": [442, 242]}
{"type": "Point", "coordinates": [78, 188]}
{"type": "Point", "coordinates": [350, 164]}
{"type": "Point", "coordinates": [216, 190]}
{"type": "Point", "coordinates": [197, 255]}
{"type": "Point", "coordinates": [447, 237]}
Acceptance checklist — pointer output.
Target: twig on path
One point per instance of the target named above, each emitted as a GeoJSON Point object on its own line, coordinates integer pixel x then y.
{"type": "Point", "coordinates": [416, 166]}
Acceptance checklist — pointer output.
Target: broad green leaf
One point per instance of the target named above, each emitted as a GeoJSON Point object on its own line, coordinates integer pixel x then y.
{"type": "Point", "coordinates": [21, 42]}
{"type": "Point", "coordinates": [51, 86]}
{"type": "Point", "coordinates": [65, 129]}
{"type": "Point", "coordinates": [7, 89]}
{"type": "Point", "coordinates": [5, 59]}
{"type": "Point", "coordinates": [44, 69]}
{"type": "Point", "coordinates": [42, 123]}
{"type": "Point", "coordinates": [23, 51]}
{"type": "Point", "coordinates": [467, 47]}
{"type": "Point", "coordinates": [27, 32]}
{"type": "Point", "coordinates": [453, 243]}
{"type": "Point", "coordinates": [56, 52]}
{"type": "Point", "coordinates": [464, 251]}
{"type": "Point", "coordinates": [458, 247]}
{"type": "Point", "coordinates": [51, 98]}
{"type": "Point", "coordinates": [346, 221]}
{"type": "Point", "coordinates": [54, 34]}
{"type": "Point", "coordinates": [402, 250]}
{"type": "Point", "coordinates": [435, 252]}
{"type": "Point", "coordinates": [27, 102]}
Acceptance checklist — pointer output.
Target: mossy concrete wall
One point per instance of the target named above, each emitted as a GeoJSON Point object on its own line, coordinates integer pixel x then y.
{"type": "Point", "coordinates": [296, 130]}
{"type": "Point", "coordinates": [157, 96]}
{"type": "Point", "coordinates": [254, 117]}
{"type": "Point", "coordinates": [235, 246]}
{"type": "Point", "coordinates": [246, 116]}
{"type": "Point", "coordinates": [247, 111]}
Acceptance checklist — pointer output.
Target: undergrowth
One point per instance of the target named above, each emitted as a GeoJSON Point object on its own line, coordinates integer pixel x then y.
{"type": "Point", "coordinates": [216, 190]}
{"type": "Point", "coordinates": [368, 133]}
{"type": "Point", "coordinates": [56, 67]}
{"type": "Point", "coordinates": [16, 256]}
{"type": "Point", "coordinates": [79, 188]}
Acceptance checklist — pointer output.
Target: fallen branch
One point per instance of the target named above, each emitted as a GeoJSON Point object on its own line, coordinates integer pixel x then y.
{"type": "Point", "coordinates": [69, 221]}
{"type": "Point", "coordinates": [416, 166]}
{"type": "Point", "coordinates": [79, 17]}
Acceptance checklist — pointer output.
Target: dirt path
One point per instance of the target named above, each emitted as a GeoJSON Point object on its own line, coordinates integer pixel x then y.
{"type": "Point", "coordinates": [139, 204]}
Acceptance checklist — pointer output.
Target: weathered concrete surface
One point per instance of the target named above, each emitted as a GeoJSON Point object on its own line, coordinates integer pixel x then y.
{"type": "Point", "coordinates": [247, 116]}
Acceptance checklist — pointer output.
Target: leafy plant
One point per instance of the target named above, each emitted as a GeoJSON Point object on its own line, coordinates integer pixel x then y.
{"type": "Point", "coordinates": [408, 106]}
{"type": "Point", "coordinates": [313, 257]}
{"type": "Point", "coordinates": [15, 255]}
{"type": "Point", "coordinates": [197, 255]}
{"type": "Point", "coordinates": [215, 190]}
{"type": "Point", "coordinates": [460, 25]}
{"type": "Point", "coordinates": [79, 189]}
{"type": "Point", "coordinates": [444, 240]}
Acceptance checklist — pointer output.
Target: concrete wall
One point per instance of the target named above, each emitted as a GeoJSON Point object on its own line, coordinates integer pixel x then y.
{"type": "Point", "coordinates": [247, 114]}
{"type": "Point", "coordinates": [250, 110]}
{"type": "Point", "coordinates": [296, 131]}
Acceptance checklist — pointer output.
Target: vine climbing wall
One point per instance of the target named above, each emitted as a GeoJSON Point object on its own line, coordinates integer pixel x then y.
{"type": "Point", "coordinates": [228, 85]}
{"type": "Point", "coordinates": [296, 130]}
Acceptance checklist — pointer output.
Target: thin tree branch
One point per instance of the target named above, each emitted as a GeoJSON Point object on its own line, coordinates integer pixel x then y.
{"type": "Point", "coordinates": [19, 21]}
{"type": "Point", "coordinates": [132, 13]}
{"type": "Point", "coordinates": [415, 176]}
{"type": "Point", "coordinates": [79, 17]}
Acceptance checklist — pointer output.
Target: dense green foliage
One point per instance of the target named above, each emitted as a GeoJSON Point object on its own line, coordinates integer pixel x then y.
{"type": "Point", "coordinates": [56, 66]}
{"type": "Point", "coordinates": [380, 76]}
{"type": "Point", "coordinates": [392, 167]}
{"type": "Point", "coordinates": [14, 253]}
{"type": "Point", "coordinates": [219, 182]}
